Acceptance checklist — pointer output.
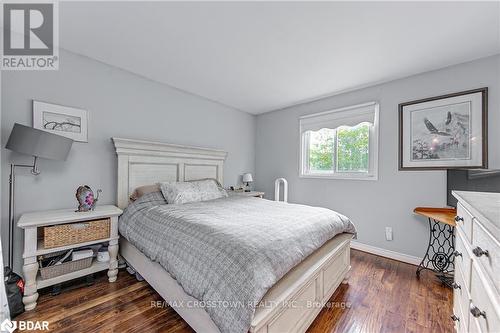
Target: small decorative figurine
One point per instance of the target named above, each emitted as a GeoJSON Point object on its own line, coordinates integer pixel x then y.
{"type": "Point", "coordinates": [86, 199]}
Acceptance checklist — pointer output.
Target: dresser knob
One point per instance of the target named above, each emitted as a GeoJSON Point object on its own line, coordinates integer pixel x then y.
{"type": "Point", "coordinates": [459, 219]}
{"type": "Point", "coordinates": [478, 252]}
{"type": "Point", "coordinates": [456, 286]}
{"type": "Point", "coordinates": [455, 318]}
{"type": "Point", "coordinates": [474, 310]}
{"type": "Point", "coordinates": [457, 254]}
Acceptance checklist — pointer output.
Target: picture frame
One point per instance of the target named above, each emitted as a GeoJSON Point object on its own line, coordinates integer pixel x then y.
{"type": "Point", "coordinates": [62, 120]}
{"type": "Point", "coordinates": [445, 132]}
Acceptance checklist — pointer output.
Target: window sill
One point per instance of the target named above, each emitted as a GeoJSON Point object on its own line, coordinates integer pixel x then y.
{"type": "Point", "coordinates": [340, 177]}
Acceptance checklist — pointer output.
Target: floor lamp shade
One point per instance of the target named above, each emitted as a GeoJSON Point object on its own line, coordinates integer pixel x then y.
{"type": "Point", "coordinates": [31, 141]}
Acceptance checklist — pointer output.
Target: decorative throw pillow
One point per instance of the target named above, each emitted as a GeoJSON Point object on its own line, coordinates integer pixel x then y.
{"type": "Point", "coordinates": [192, 191]}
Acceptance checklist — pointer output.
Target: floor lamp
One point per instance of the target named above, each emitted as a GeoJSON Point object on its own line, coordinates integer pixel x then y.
{"type": "Point", "coordinates": [39, 144]}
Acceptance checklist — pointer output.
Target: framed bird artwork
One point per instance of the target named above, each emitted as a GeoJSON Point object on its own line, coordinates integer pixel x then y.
{"type": "Point", "coordinates": [444, 132]}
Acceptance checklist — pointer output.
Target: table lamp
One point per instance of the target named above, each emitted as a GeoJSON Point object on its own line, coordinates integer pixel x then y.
{"type": "Point", "coordinates": [247, 178]}
{"type": "Point", "coordinates": [39, 144]}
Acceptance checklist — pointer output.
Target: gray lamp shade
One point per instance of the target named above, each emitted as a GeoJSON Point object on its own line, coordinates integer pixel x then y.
{"type": "Point", "coordinates": [247, 178]}
{"type": "Point", "coordinates": [31, 141]}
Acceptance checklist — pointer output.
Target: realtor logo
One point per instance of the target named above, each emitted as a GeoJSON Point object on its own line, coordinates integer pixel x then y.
{"type": "Point", "coordinates": [30, 36]}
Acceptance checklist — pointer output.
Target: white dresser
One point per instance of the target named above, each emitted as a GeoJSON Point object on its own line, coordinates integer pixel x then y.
{"type": "Point", "coordinates": [476, 294]}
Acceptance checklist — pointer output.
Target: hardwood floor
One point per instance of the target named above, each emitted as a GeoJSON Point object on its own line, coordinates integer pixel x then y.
{"type": "Point", "coordinates": [383, 295]}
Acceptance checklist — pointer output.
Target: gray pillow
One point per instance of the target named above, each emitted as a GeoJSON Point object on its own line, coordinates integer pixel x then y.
{"type": "Point", "coordinates": [192, 191]}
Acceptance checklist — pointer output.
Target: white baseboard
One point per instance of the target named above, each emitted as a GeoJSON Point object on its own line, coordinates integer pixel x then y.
{"type": "Point", "coordinates": [386, 253]}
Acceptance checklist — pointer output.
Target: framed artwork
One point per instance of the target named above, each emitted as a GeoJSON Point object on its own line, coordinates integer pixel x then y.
{"type": "Point", "coordinates": [444, 132]}
{"type": "Point", "coordinates": [62, 120]}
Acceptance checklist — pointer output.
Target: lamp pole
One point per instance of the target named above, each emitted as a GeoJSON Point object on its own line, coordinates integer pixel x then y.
{"type": "Point", "coordinates": [12, 181]}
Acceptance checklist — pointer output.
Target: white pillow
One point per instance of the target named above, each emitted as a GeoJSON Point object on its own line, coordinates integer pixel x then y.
{"type": "Point", "coordinates": [192, 191]}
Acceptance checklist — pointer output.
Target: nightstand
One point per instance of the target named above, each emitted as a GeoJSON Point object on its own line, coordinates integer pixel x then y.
{"type": "Point", "coordinates": [247, 194]}
{"type": "Point", "coordinates": [34, 224]}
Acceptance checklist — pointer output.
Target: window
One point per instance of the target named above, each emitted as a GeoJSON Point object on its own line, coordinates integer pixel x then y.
{"type": "Point", "coordinates": [340, 143]}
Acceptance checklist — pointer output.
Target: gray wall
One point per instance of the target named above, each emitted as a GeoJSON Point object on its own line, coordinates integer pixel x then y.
{"type": "Point", "coordinates": [119, 104]}
{"type": "Point", "coordinates": [372, 205]}
{"type": "Point", "coordinates": [126, 105]}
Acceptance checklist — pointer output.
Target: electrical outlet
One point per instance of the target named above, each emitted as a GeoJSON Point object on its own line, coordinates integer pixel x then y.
{"type": "Point", "coordinates": [388, 233]}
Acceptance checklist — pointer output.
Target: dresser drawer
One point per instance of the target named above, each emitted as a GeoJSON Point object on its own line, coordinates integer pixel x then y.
{"type": "Point", "coordinates": [484, 242]}
{"type": "Point", "coordinates": [474, 324]}
{"type": "Point", "coordinates": [462, 259]}
{"type": "Point", "coordinates": [464, 221]}
{"type": "Point", "coordinates": [461, 319]}
{"type": "Point", "coordinates": [461, 301]}
{"type": "Point", "coordinates": [487, 316]}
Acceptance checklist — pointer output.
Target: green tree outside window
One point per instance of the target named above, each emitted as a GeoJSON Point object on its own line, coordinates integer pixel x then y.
{"type": "Point", "coordinates": [352, 148]}
{"type": "Point", "coordinates": [321, 145]}
{"type": "Point", "coordinates": [351, 145]}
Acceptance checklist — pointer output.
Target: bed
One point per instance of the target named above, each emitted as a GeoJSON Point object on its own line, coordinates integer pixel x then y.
{"type": "Point", "coordinates": [290, 305]}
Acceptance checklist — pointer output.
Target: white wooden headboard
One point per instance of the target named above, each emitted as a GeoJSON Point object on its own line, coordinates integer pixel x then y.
{"type": "Point", "coordinates": [145, 163]}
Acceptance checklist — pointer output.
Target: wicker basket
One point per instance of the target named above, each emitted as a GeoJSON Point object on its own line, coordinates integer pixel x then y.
{"type": "Point", "coordinates": [74, 233]}
{"type": "Point", "coordinates": [65, 268]}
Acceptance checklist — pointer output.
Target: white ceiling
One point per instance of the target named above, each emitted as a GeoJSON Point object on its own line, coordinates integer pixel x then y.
{"type": "Point", "coordinates": [260, 56]}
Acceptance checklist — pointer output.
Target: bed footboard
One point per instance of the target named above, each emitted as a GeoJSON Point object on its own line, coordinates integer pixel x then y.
{"type": "Point", "coordinates": [303, 292]}
{"type": "Point", "coordinates": [291, 305]}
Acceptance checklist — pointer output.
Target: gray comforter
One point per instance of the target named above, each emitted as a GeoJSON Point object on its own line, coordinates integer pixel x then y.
{"type": "Point", "coordinates": [228, 252]}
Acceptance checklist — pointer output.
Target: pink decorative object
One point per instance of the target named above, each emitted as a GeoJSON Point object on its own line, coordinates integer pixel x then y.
{"type": "Point", "coordinates": [86, 199]}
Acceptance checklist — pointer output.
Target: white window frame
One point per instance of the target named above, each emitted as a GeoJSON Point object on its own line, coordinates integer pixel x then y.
{"type": "Point", "coordinates": [372, 149]}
